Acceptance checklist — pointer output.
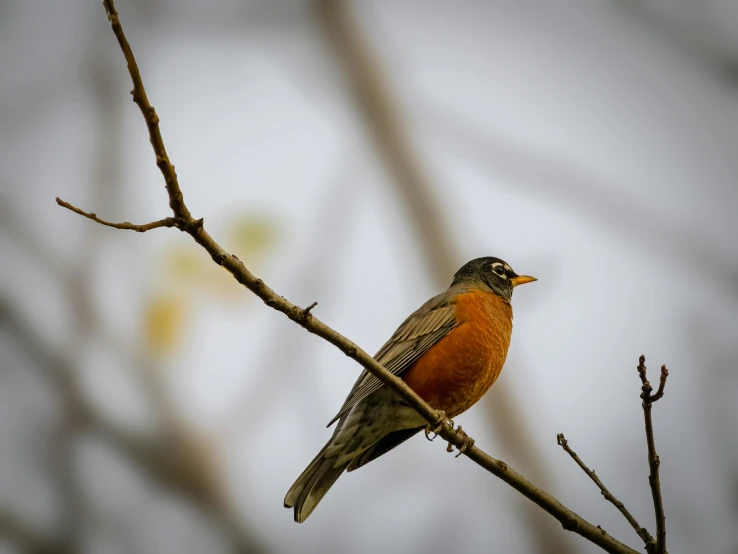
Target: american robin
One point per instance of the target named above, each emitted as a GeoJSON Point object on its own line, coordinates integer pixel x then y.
{"type": "Point", "coordinates": [449, 352]}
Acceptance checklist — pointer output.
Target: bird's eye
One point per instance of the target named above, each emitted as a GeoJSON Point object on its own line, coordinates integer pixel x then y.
{"type": "Point", "coordinates": [499, 270]}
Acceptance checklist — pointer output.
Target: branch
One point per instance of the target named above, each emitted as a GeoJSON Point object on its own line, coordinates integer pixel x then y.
{"type": "Point", "coordinates": [176, 201]}
{"type": "Point", "coordinates": [642, 531]}
{"type": "Point", "coordinates": [569, 519]}
{"type": "Point", "coordinates": [653, 458]}
{"type": "Point", "coordinates": [282, 353]}
{"type": "Point", "coordinates": [127, 225]}
{"type": "Point", "coordinates": [195, 228]}
{"type": "Point", "coordinates": [382, 119]}
{"type": "Point", "coordinates": [174, 457]}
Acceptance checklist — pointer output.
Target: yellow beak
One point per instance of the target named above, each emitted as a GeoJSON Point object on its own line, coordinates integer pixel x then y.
{"type": "Point", "coordinates": [522, 279]}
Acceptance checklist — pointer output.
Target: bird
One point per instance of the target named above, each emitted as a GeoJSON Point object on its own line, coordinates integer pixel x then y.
{"type": "Point", "coordinates": [449, 351]}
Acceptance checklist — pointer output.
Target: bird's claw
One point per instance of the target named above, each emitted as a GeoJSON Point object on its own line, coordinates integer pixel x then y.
{"type": "Point", "coordinates": [439, 425]}
{"type": "Point", "coordinates": [466, 445]}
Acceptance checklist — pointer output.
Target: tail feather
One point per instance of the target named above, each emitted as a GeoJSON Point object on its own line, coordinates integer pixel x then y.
{"type": "Point", "coordinates": [311, 486]}
{"type": "Point", "coordinates": [298, 486]}
{"type": "Point", "coordinates": [323, 479]}
{"type": "Point", "coordinates": [382, 446]}
{"type": "Point", "coordinates": [361, 435]}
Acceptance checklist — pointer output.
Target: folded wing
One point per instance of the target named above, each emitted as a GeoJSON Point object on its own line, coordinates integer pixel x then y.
{"type": "Point", "coordinates": [417, 334]}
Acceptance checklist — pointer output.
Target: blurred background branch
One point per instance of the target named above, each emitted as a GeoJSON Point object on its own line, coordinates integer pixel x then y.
{"type": "Point", "coordinates": [577, 190]}
{"type": "Point", "coordinates": [695, 30]}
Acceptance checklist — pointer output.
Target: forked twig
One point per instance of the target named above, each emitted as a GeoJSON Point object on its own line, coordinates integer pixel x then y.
{"type": "Point", "coordinates": [642, 531]}
{"type": "Point", "coordinates": [653, 458]}
{"type": "Point", "coordinates": [657, 546]}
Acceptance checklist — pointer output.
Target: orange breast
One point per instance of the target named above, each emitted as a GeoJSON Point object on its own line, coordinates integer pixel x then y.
{"type": "Point", "coordinates": [455, 373]}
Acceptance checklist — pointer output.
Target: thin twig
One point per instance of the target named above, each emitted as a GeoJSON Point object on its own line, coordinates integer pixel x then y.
{"type": "Point", "coordinates": [642, 531]}
{"type": "Point", "coordinates": [662, 384]}
{"type": "Point", "coordinates": [570, 520]}
{"type": "Point", "coordinates": [126, 225]}
{"type": "Point", "coordinates": [306, 311]}
{"type": "Point", "coordinates": [653, 458]}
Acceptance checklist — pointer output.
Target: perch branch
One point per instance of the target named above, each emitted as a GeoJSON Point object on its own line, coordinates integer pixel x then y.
{"type": "Point", "coordinates": [642, 531]}
{"type": "Point", "coordinates": [195, 228]}
{"type": "Point", "coordinates": [653, 458]}
{"type": "Point", "coordinates": [382, 119]}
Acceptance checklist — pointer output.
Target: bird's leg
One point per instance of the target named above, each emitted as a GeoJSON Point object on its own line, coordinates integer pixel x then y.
{"type": "Point", "coordinates": [467, 444]}
{"type": "Point", "coordinates": [439, 425]}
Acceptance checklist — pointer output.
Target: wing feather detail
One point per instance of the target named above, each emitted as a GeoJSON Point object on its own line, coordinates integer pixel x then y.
{"type": "Point", "coordinates": [418, 333]}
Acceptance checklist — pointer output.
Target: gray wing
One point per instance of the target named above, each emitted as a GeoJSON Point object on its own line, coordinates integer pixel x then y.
{"type": "Point", "coordinates": [417, 334]}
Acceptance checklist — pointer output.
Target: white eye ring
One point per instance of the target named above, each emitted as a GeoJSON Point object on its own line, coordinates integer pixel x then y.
{"type": "Point", "coordinates": [498, 269]}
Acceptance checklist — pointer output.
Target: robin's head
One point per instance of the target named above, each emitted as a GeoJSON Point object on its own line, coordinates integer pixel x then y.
{"type": "Point", "coordinates": [492, 273]}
